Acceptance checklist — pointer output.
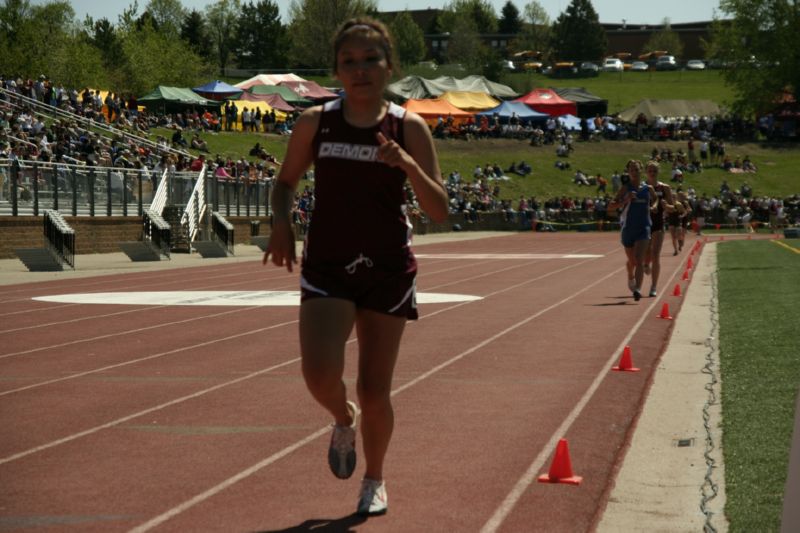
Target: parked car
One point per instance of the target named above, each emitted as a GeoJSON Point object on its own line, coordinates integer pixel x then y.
{"type": "Point", "coordinates": [667, 63]}
{"type": "Point", "coordinates": [613, 64]}
{"type": "Point", "coordinates": [589, 68]}
{"type": "Point", "coordinates": [695, 64]}
{"type": "Point", "coordinates": [508, 65]}
{"type": "Point", "coordinates": [639, 66]}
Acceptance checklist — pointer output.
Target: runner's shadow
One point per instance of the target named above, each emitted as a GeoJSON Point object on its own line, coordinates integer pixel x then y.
{"type": "Point", "coordinates": [609, 304]}
{"type": "Point", "coordinates": [325, 525]}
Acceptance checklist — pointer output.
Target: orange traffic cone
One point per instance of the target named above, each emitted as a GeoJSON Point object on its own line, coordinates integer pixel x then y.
{"type": "Point", "coordinates": [625, 362]}
{"type": "Point", "coordinates": [685, 275]}
{"type": "Point", "coordinates": [665, 312]}
{"type": "Point", "coordinates": [689, 263]}
{"type": "Point", "coordinates": [677, 290]}
{"type": "Point", "coordinates": [561, 468]}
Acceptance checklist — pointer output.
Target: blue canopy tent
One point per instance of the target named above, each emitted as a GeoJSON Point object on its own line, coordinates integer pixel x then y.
{"type": "Point", "coordinates": [218, 90]}
{"type": "Point", "coordinates": [571, 122]}
{"type": "Point", "coordinates": [508, 108]}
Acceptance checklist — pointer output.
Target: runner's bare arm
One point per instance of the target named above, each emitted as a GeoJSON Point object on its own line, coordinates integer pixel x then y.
{"type": "Point", "coordinates": [299, 156]}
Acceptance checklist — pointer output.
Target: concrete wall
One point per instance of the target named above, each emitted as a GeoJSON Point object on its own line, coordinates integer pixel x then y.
{"type": "Point", "coordinates": [95, 235]}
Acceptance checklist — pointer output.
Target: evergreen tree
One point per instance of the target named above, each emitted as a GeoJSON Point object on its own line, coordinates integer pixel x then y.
{"type": "Point", "coordinates": [194, 31]}
{"type": "Point", "coordinates": [261, 38]}
{"type": "Point", "coordinates": [409, 39]}
{"type": "Point", "coordinates": [577, 33]}
{"type": "Point", "coordinates": [167, 15]}
{"type": "Point", "coordinates": [510, 21]}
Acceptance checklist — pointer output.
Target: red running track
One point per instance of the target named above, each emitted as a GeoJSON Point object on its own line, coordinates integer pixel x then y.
{"type": "Point", "coordinates": [196, 418]}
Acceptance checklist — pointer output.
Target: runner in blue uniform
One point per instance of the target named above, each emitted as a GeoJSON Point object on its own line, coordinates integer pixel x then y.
{"type": "Point", "coordinates": [636, 199]}
{"type": "Point", "coordinates": [358, 269]}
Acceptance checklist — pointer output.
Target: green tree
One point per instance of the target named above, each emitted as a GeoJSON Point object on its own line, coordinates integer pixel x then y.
{"type": "Point", "coordinates": [167, 15]}
{"type": "Point", "coordinates": [194, 31]}
{"type": "Point", "coordinates": [312, 27]}
{"type": "Point", "coordinates": [154, 59]}
{"type": "Point", "coordinates": [464, 45]}
{"type": "Point", "coordinates": [480, 12]}
{"type": "Point", "coordinates": [261, 38]}
{"type": "Point", "coordinates": [577, 33]}
{"type": "Point", "coordinates": [510, 21]}
{"type": "Point", "coordinates": [666, 39]}
{"type": "Point", "coordinates": [760, 42]}
{"type": "Point", "coordinates": [409, 39]}
{"type": "Point", "coordinates": [536, 30]}
{"type": "Point", "coordinates": [222, 17]}
{"type": "Point", "coordinates": [79, 63]}
{"type": "Point", "coordinates": [104, 37]}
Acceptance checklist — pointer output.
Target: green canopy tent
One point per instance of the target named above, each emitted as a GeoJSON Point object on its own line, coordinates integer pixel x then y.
{"type": "Point", "coordinates": [175, 99]}
{"type": "Point", "coordinates": [291, 97]}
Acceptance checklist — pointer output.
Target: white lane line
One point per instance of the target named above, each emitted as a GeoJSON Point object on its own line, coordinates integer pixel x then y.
{"type": "Point", "coordinates": [146, 358]}
{"type": "Point", "coordinates": [137, 414]}
{"type": "Point", "coordinates": [174, 511]}
{"type": "Point", "coordinates": [507, 256]}
{"type": "Point", "coordinates": [524, 482]}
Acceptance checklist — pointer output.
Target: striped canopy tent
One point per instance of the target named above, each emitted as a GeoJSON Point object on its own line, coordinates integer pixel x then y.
{"type": "Point", "coordinates": [470, 101]}
{"type": "Point", "coordinates": [431, 109]}
{"type": "Point", "coordinates": [267, 79]}
{"type": "Point", "coordinates": [291, 97]}
{"type": "Point", "coordinates": [274, 100]}
{"type": "Point", "coordinates": [309, 89]}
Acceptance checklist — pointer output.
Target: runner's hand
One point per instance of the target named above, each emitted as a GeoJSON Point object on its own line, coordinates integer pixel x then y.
{"type": "Point", "coordinates": [281, 247]}
{"type": "Point", "coordinates": [391, 153]}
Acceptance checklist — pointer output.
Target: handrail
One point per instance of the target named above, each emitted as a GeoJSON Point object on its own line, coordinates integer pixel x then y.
{"type": "Point", "coordinates": [160, 197]}
{"type": "Point", "coordinates": [196, 207]}
{"type": "Point", "coordinates": [89, 123]}
{"type": "Point", "coordinates": [59, 237]}
{"type": "Point", "coordinates": [223, 231]}
{"type": "Point", "coordinates": [157, 230]}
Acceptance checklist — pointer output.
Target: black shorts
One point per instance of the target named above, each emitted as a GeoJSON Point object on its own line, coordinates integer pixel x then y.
{"type": "Point", "coordinates": [367, 285]}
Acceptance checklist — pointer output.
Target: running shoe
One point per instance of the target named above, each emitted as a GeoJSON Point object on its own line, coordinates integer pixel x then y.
{"type": "Point", "coordinates": [647, 269]}
{"type": "Point", "coordinates": [637, 295]}
{"type": "Point", "coordinates": [653, 293]}
{"type": "Point", "coordinates": [342, 451]}
{"type": "Point", "coordinates": [372, 500]}
{"type": "Point", "coordinates": [675, 252]}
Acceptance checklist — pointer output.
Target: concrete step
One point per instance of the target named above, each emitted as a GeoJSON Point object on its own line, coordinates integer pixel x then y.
{"type": "Point", "coordinates": [210, 249]}
{"type": "Point", "coordinates": [260, 241]}
{"type": "Point", "coordinates": [39, 259]}
{"type": "Point", "coordinates": [141, 251]}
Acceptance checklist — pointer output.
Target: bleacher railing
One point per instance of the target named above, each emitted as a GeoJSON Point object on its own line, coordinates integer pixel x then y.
{"type": "Point", "coordinates": [196, 207]}
{"type": "Point", "coordinates": [28, 186]}
{"type": "Point", "coordinates": [160, 196]}
{"type": "Point", "coordinates": [158, 231]}
{"type": "Point", "coordinates": [59, 237]}
{"type": "Point", "coordinates": [19, 100]}
{"type": "Point", "coordinates": [223, 231]}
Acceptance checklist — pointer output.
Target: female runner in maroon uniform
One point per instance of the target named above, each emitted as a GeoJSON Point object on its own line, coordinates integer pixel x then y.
{"type": "Point", "coordinates": [358, 269]}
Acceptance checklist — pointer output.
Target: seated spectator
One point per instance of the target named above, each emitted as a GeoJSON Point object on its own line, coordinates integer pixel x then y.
{"type": "Point", "coordinates": [177, 138]}
{"type": "Point", "coordinates": [601, 183]}
{"type": "Point", "coordinates": [562, 165]}
{"type": "Point", "coordinates": [562, 150]}
{"type": "Point", "coordinates": [198, 143]}
{"type": "Point", "coordinates": [580, 178]}
{"type": "Point", "coordinates": [748, 165]}
{"type": "Point", "coordinates": [197, 164]}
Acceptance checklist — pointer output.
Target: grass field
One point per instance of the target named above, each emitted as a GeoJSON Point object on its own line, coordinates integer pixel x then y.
{"type": "Point", "coordinates": [778, 165]}
{"type": "Point", "coordinates": [758, 295]}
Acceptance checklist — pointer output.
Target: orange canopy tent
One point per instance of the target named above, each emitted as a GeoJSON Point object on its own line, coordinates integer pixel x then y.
{"type": "Point", "coordinates": [431, 109]}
